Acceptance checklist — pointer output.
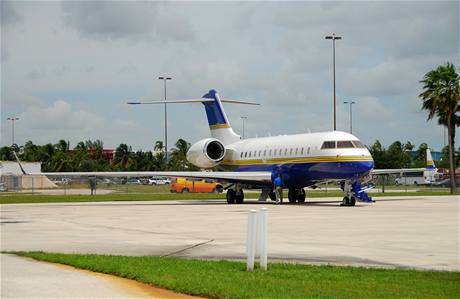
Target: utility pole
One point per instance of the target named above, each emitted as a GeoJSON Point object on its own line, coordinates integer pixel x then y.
{"type": "Point", "coordinates": [13, 119]}
{"type": "Point", "coordinates": [334, 38]}
{"type": "Point", "coordinates": [351, 114]}
{"type": "Point", "coordinates": [164, 78]}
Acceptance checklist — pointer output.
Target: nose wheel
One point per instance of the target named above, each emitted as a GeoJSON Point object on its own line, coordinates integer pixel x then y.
{"type": "Point", "coordinates": [296, 195]}
{"type": "Point", "coordinates": [348, 201]}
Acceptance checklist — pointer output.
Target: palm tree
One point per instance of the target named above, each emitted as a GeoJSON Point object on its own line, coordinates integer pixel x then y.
{"type": "Point", "coordinates": [158, 146]}
{"type": "Point", "coordinates": [179, 155]}
{"type": "Point", "coordinates": [441, 97]}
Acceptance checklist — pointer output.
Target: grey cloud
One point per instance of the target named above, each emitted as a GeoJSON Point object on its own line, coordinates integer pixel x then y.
{"type": "Point", "coordinates": [133, 20]}
{"type": "Point", "coordinates": [9, 14]}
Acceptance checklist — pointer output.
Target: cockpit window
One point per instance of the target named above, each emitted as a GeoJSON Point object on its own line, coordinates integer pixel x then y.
{"type": "Point", "coordinates": [345, 144]}
{"type": "Point", "coordinates": [358, 144]}
{"type": "Point", "coordinates": [328, 144]}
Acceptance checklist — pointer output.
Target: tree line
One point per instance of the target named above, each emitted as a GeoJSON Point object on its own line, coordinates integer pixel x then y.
{"type": "Point", "coordinates": [89, 156]}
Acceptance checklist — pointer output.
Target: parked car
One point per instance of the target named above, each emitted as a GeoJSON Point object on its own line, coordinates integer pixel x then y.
{"type": "Point", "coordinates": [183, 185]}
{"type": "Point", "coordinates": [134, 182]}
{"type": "Point", "coordinates": [159, 181]}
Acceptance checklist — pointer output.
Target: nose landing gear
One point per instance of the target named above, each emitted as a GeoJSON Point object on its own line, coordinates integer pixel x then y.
{"type": "Point", "coordinates": [296, 195]}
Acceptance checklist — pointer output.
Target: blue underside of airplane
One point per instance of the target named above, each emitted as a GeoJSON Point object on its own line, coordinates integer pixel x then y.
{"type": "Point", "coordinates": [306, 174]}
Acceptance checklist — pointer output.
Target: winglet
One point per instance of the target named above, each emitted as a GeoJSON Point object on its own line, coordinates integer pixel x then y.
{"type": "Point", "coordinates": [19, 162]}
{"type": "Point", "coordinates": [429, 160]}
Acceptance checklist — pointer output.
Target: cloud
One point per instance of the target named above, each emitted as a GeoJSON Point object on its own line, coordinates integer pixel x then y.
{"type": "Point", "coordinates": [94, 55]}
{"type": "Point", "coordinates": [61, 120]}
{"type": "Point", "coordinates": [9, 14]}
{"type": "Point", "coordinates": [124, 19]}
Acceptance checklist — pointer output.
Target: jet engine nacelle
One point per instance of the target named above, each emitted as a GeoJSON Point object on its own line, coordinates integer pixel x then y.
{"type": "Point", "coordinates": [206, 153]}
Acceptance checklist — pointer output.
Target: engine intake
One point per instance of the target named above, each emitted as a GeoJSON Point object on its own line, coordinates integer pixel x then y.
{"type": "Point", "coordinates": [206, 153]}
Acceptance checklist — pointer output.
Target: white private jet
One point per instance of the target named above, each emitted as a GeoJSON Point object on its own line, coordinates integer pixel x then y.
{"type": "Point", "coordinates": [301, 160]}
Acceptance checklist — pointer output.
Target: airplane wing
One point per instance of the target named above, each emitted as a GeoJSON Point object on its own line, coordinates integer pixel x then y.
{"type": "Point", "coordinates": [429, 167]}
{"type": "Point", "coordinates": [396, 171]}
{"type": "Point", "coordinates": [253, 177]}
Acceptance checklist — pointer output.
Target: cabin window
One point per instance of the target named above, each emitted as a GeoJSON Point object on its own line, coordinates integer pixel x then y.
{"type": "Point", "coordinates": [259, 153]}
{"type": "Point", "coordinates": [241, 156]}
{"type": "Point", "coordinates": [290, 152]}
{"type": "Point", "coordinates": [345, 144]}
{"type": "Point", "coordinates": [328, 145]}
{"type": "Point", "coordinates": [308, 151]}
{"type": "Point", "coordinates": [249, 154]}
{"type": "Point", "coordinates": [301, 151]}
{"type": "Point", "coordinates": [358, 144]}
{"type": "Point", "coordinates": [265, 153]}
{"type": "Point", "coordinates": [270, 152]}
{"type": "Point", "coordinates": [285, 151]}
{"type": "Point", "coordinates": [296, 151]}
{"type": "Point", "coordinates": [245, 154]}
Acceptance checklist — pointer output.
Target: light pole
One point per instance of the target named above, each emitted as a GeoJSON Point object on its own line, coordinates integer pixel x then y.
{"type": "Point", "coordinates": [12, 127]}
{"type": "Point", "coordinates": [351, 114]}
{"type": "Point", "coordinates": [334, 37]}
{"type": "Point", "coordinates": [243, 118]}
{"type": "Point", "coordinates": [166, 117]}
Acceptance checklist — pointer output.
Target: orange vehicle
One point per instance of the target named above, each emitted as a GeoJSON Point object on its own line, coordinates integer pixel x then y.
{"type": "Point", "coordinates": [183, 185]}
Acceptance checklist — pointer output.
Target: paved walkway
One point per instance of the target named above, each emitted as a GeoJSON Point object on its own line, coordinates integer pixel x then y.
{"type": "Point", "coordinates": [26, 278]}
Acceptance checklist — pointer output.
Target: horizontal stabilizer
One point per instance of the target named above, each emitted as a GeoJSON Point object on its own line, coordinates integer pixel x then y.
{"type": "Point", "coordinates": [202, 100]}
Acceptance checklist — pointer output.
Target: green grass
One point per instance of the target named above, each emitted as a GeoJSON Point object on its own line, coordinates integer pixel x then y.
{"type": "Point", "coordinates": [14, 198]}
{"type": "Point", "coordinates": [225, 279]}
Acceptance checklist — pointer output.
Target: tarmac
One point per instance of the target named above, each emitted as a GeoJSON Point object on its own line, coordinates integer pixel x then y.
{"type": "Point", "coordinates": [419, 232]}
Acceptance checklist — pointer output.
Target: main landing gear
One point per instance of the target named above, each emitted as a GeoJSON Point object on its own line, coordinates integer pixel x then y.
{"type": "Point", "coordinates": [348, 201]}
{"type": "Point", "coordinates": [235, 196]}
{"type": "Point", "coordinates": [296, 195]}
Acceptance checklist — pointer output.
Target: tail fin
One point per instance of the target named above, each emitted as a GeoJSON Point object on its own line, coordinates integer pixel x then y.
{"type": "Point", "coordinates": [217, 120]}
{"type": "Point", "coordinates": [429, 160]}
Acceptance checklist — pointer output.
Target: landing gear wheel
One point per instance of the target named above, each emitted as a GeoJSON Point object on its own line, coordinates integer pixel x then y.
{"type": "Point", "coordinates": [239, 196]}
{"type": "Point", "coordinates": [352, 201]}
{"type": "Point", "coordinates": [301, 195]}
{"type": "Point", "coordinates": [292, 195]}
{"type": "Point", "coordinates": [272, 195]}
{"type": "Point", "coordinates": [231, 194]}
{"type": "Point", "coordinates": [348, 201]}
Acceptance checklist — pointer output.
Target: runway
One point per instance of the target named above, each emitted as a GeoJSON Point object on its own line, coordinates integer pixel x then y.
{"type": "Point", "coordinates": [408, 232]}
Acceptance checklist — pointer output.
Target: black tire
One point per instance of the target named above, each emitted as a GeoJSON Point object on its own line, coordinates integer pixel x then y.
{"type": "Point", "coordinates": [239, 197]}
{"type": "Point", "coordinates": [272, 195]}
{"type": "Point", "coordinates": [185, 190]}
{"type": "Point", "coordinates": [301, 196]}
{"type": "Point", "coordinates": [352, 201]}
{"type": "Point", "coordinates": [292, 195]}
{"type": "Point", "coordinates": [345, 201]}
{"type": "Point", "coordinates": [231, 196]}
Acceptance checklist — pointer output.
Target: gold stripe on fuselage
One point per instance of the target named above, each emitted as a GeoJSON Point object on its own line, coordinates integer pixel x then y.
{"type": "Point", "coordinates": [219, 126]}
{"type": "Point", "coordinates": [299, 160]}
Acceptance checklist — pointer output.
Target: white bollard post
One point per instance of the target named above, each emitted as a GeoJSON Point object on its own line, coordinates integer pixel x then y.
{"type": "Point", "coordinates": [263, 238]}
{"type": "Point", "coordinates": [258, 235]}
{"type": "Point", "coordinates": [251, 240]}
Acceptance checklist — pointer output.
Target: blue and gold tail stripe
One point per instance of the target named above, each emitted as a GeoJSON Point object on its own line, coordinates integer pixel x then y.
{"type": "Point", "coordinates": [215, 112]}
{"type": "Point", "coordinates": [219, 126]}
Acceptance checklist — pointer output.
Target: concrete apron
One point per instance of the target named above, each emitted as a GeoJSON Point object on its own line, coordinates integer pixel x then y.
{"type": "Point", "coordinates": [27, 278]}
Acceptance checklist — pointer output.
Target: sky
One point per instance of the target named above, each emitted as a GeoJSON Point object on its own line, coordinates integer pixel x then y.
{"type": "Point", "coordinates": [68, 68]}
